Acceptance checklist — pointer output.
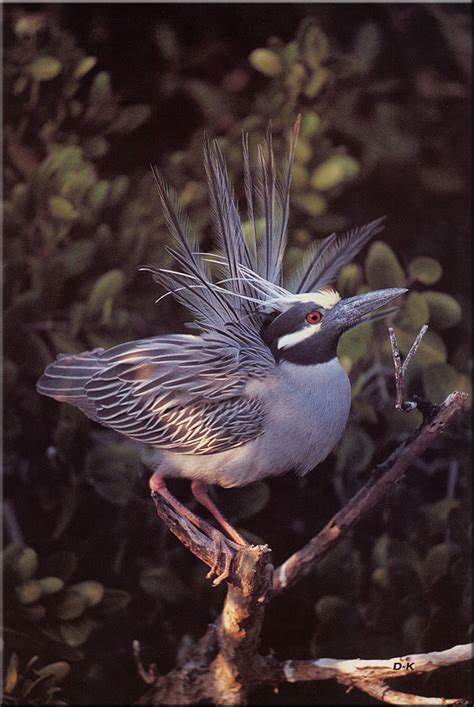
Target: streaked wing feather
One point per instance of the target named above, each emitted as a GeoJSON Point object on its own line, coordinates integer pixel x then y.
{"type": "Point", "coordinates": [180, 392]}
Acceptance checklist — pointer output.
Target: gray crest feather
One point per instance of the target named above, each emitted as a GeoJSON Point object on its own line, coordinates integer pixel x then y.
{"type": "Point", "coordinates": [329, 256]}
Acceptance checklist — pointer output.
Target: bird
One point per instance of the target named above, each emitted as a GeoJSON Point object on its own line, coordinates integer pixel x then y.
{"type": "Point", "coordinates": [255, 389]}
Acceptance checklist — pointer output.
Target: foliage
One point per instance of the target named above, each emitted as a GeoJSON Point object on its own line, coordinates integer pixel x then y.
{"type": "Point", "coordinates": [34, 685]}
{"type": "Point", "coordinates": [79, 219]}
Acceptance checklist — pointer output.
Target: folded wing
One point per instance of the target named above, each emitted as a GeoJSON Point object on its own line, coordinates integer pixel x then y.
{"type": "Point", "coordinates": [183, 393]}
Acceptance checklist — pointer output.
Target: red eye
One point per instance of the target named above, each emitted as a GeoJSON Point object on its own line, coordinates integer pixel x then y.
{"type": "Point", "coordinates": [314, 317]}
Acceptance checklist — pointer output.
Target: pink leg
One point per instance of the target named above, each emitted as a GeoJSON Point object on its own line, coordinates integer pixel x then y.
{"type": "Point", "coordinates": [157, 485]}
{"type": "Point", "coordinates": [199, 489]}
{"type": "Point", "coordinates": [159, 488]}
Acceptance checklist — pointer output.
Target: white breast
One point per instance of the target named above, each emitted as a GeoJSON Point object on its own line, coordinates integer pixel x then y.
{"type": "Point", "coordinates": [307, 414]}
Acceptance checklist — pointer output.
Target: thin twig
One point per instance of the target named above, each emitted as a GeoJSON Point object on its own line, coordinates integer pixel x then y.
{"type": "Point", "coordinates": [381, 691]}
{"type": "Point", "coordinates": [401, 368]}
{"type": "Point", "coordinates": [149, 676]}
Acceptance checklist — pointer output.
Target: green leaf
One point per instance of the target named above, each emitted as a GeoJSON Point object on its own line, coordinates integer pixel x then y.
{"type": "Point", "coordinates": [114, 600]}
{"type": "Point", "coordinates": [310, 125]}
{"type": "Point", "coordinates": [51, 585]}
{"type": "Point", "coordinates": [333, 172]}
{"type": "Point", "coordinates": [70, 606]}
{"type": "Point", "coordinates": [266, 61]}
{"type": "Point", "coordinates": [436, 515]}
{"type": "Point", "coordinates": [356, 343]}
{"type": "Point", "coordinates": [163, 583]}
{"type": "Point", "coordinates": [316, 82]}
{"type": "Point", "coordinates": [441, 379]}
{"type": "Point", "coordinates": [20, 84]}
{"type": "Point", "coordinates": [78, 257]}
{"type": "Point", "coordinates": [77, 183]}
{"type": "Point", "coordinates": [350, 278]}
{"type": "Point", "coordinates": [436, 563]}
{"type": "Point", "coordinates": [425, 269]}
{"type": "Point", "coordinates": [98, 195]}
{"type": "Point", "coordinates": [167, 42]}
{"type": "Point", "coordinates": [387, 548]}
{"type": "Point", "coordinates": [445, 311]}
{"type": "Point", "coordinates": [92, 592]}
{"type": "Point", "coordinates": [303, 151]}
{"type": "Point", "coordinates": [95, 147]}
{"type": "Point", "coordinates": [416, 312]}
{"type": "Point", "coordinates": [101, 89]}
{"type": "Point", "coordinates": [112, 471]}
{"type": "Point", "coordinates": [11, 676]}
{"type": "Point", "coordinates": [26, 564]}
{"type": "Point", "coordinates": [118, 188]}
{"type": "Point", "coordinates": [77, 633]}
{"type": "Point", "coordinates": [45, 68]}
{"type": "Point", "coordinates": [355, 451]}
{"type": "Point", "coordinates": [29, 592]}
{"type": "Point", "coordinates": [59, 671]}
{"type": "Point", "coordinates": [330, 606]}
{"type": "Point", "coordinates": [367, 46]}
{"type": "Point", "coordinates": [300, 177]}
{"type": "Point", "coordinates": [108, 285]}
{"type": "Point", "coordinates": [84, 66]}
{"type": "Point", "coordinates": [314, 47]}
{"type": "Point", "coordinates": [240, 503]}
{"type": "Point", "coordinates": [311, 203]}
{"type": "Point", "coordinates": [129, 119]}
{"type": "Point", "coordinates": [382, 268]}
{"type": "Point", "coordinates": [62, 209]}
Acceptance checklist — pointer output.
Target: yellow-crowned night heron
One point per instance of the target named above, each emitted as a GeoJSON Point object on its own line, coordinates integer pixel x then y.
{"type": "Point", "coordinates": [259, 390]}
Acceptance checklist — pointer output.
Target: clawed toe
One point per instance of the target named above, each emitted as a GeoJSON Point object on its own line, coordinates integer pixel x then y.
{"type": "Point", "coordinates": [221, 549]}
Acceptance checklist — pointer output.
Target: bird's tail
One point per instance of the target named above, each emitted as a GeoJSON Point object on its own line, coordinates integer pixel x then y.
{"type": "Point", "coordinates": [65, 379]}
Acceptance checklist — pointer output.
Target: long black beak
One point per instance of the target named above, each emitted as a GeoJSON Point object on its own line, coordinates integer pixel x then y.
{"type": "Point", "coordinates": [350, 312]}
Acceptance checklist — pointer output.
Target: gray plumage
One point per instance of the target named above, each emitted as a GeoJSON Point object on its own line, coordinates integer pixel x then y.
{"type": "Point", "coordinates": [259, 389]}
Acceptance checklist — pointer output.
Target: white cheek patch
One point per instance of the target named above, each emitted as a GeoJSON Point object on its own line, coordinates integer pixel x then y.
{"type": "Point", "coordinates": [296, 337]}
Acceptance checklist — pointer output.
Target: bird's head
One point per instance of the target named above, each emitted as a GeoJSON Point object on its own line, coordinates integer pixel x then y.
{"type": "Point", "coordinates": [305, 328]}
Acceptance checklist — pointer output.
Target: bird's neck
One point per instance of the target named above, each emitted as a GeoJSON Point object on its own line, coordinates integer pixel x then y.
{"type": "Point", "coordinates": [308, 352]}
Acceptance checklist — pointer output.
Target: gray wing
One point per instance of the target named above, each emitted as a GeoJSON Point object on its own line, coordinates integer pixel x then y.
{"type": "Point", "coordinates": [183, 393]}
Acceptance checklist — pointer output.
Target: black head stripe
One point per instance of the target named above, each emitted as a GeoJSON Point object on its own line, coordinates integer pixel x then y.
{"type": "Point", "coordinates": [285, 323]}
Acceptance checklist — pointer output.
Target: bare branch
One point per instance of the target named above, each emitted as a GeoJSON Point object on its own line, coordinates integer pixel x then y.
{"type": "Point", "coordinates": [149, 676]}
{"type": "Point", "coordinates": [401, 369]}
{"type": "Point", "coordinates": [381, 691]}
{"type": "Point", "coordinates": [382, 479]}
{"type": "Point", "coordinates": [369, 675]}
{"type": "Point", "coordinates": [372, 670]}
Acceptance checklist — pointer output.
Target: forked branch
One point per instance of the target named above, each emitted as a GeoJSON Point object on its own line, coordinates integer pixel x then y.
{"type": "Point", "coordinates": [401, 368]}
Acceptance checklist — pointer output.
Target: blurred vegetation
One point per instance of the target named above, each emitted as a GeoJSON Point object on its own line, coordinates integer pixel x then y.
{"type": "Point", "coordinates": [88, 567]}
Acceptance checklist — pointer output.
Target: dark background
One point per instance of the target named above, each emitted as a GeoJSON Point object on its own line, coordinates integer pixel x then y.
{"type": "Point", "coordinates": [415, 167]}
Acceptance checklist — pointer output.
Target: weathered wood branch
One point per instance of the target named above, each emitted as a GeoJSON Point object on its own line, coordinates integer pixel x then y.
{"type": "Point", "coordinates": [222, 665]}
{"type": "Point", "coordinates": [382, 479]}
{"type": "Point", "coordinates": [349, 671]}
